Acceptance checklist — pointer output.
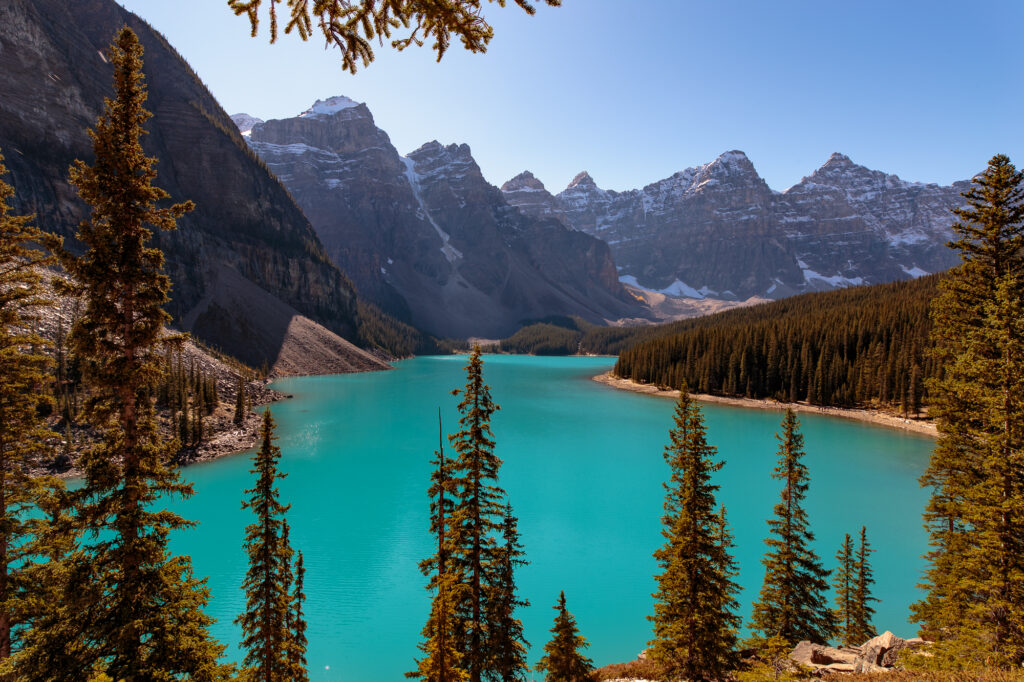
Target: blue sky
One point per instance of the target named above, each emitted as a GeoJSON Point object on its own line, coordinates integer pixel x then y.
{"type": "Point", "coordinates": [634, 90]}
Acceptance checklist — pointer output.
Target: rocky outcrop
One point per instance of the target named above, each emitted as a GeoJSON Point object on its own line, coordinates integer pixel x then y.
{"type": "Point", "coordinates": [54, 76]}
{"type": "Point", "coordinates": [877, 655]}
{"type": "Point", "coordinates": [426, 236]}
{"type": "Point", "coordinates": [719, 231]}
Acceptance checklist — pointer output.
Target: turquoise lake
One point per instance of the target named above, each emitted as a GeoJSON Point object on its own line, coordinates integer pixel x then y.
{"type": "Point", "coordinates": [584, 471]}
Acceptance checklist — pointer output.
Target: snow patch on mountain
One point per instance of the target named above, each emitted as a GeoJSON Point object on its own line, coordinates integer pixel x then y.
{"type": "Point", "coordinates": [677, 289]}
{"type": "Point", "coordinates": [329, 106]}
{"type": "Point", "coordinates": [449, 251]}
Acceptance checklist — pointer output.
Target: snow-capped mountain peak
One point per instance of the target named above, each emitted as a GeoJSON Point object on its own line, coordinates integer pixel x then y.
{"type": "Point", "coordinates": [329, 106]}
{"type": "Point", "coordinates": [245, 123]}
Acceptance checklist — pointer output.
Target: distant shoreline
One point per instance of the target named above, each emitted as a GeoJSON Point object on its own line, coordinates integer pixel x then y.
{"type": "Point", "coordinates": [923, 427]}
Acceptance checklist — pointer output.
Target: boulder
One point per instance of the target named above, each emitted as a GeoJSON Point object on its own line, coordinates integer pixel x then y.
{"type": "Point", "coordinates": [882, 652]}
{"type": "Point", "coordinates": [819, 655]}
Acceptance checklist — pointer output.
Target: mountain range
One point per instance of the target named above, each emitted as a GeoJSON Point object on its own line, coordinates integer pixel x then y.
{"type": "Point", "coordinates": [719, 231]}
{"type": "Point", "coordinates": [425, 236]}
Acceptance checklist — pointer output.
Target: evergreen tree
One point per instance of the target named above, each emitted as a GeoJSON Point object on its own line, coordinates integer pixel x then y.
{"type": "Point", "coordinates": [296, 654]}
{"type": "Point", "coordinates": [792, 602]}
{"type": "Point", "coordinates": [128, 607]}
{"type": "Point", "coordinates": [24, 370]}
{"type": "Point", "coordinates": [240, 401]}
{"type": "Point", "coordinates": [442, 659]}
{"type": "Point", "coordinates": [562, 660]}
{"type": "Point", "coordinates": [350, 26]}
{"type": "Point", "coordinates": [506, 642]}
{"type": "Point", "coordinates": [476, 515]}
{"type": "Point", "coordinates": [694, 612]}
{"type": "Point", "coordinates": [265, 632]}
{"type": "Point", "coordinates": [845, 582]}
{"type": "Point", "coordinates": [975, 600]}
{"type": "Point", "coordinates": [862, 630]}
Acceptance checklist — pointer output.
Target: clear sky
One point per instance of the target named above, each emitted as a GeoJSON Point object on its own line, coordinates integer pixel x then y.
{"type": "Point", "coordinates": [634, 90]}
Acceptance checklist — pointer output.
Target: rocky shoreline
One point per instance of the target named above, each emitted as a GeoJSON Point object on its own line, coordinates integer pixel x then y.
{"type": "Point", "coordinates": [923, 426]}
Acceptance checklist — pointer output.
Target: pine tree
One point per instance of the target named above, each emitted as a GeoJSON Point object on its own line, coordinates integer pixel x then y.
{"type": "Point", "coordinates": [240, 401]}
{"type": "Point", "coordinates": [861, 628]}
{"type": "Point", "coordinates": [792, 602]}
{"type": "Point", "coordinates": [694, 618]}
{"type": "Point", "coordinates": [442, 660]}
{"type": "Point", "coordinates": [476, 515]}
{"type": "Point", "coordinates": [507, 644]}
{"type": "Point", "coordinates": [296, 651]}
{"type": "Point", "coordinates": [975, 600]}
{"type": "Point", "coordinates": [24, 370]}
{"type": "Point", "coordinates": [265, 632]}
{"type": "Point", "coordinates": [562, 660]}
{"type": "Point", "coordinates": [128, 607]}
{"type": "Point", "coordinates": [845, 582]}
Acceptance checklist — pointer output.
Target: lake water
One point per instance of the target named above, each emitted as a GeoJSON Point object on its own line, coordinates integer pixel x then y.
{"type": "Point", "coordinates": [584, 471]}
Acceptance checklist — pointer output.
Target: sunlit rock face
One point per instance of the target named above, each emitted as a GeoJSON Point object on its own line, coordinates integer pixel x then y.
{"type": "Point", "coordinates": [426, 236]}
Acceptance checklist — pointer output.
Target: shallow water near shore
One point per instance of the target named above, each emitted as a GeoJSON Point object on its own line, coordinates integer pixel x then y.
{"type": "Point", "coordinates": [583, 470]}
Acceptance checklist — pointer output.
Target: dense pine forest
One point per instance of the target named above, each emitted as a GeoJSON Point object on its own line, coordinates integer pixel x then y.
{"type": "Point", "coordinates": [843, 348]}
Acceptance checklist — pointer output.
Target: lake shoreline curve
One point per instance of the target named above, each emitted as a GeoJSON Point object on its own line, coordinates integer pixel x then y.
{"type": "Point", "coordinates": [876, 417]}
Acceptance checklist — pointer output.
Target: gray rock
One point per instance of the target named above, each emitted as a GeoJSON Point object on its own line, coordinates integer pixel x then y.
{"type": "Point", "coordinates": [819, 655]}
{"type": "Point", "coordinates": [427, 238]}
{"type": "Point", "coordinates": [720, 230]}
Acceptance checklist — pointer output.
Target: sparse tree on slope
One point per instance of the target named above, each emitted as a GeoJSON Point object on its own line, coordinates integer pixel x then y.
{"type": "Point", "coordinates": [975, 600]}
{"type": "Point", "coordinates": [563, 661]}
{"type": "Point", "coordinates": [792, 602]}
{"type": "Point", "coordinates": [695, 619]}
{"type": "Point", "coordinates": [129, 608]}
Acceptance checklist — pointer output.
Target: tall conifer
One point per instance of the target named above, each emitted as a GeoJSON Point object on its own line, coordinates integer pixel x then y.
{"type": "Point", "coordinates": [23, 436]}
{"type": "Point", "coordinates": [792, 603]}
{"type": "Point", "coordinates": [562, 660]}
{"type": "Point", "coordinates": [442, 657]}
{"type": "Point", "coordinates": [265, 632]}
{"type": "Point", "coordinates": [298, 642]}
{"type": "Point", "coordinates": [844, 580]}
{"type": "Point", "coordinates": [129, 607]}
{"type": "Point", "coordinates": [862, 630]}
{"type": "Point", "coordinates": [506, 641]}
{"type": "Point", "coordinates": [477, 513]}
{"type": "Point", "coordinates": [975, 600]}
{"type": "Point", "coordinates": [695, 619]}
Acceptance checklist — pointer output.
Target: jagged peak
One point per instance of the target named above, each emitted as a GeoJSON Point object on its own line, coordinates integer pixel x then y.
{"type": "Point", "coordinates": [329, 106]}
{"type": "Point", "coordinates": [734, 156]}
{"type": "Point", "coordinates": [525, 180]}
{"type": "Point", "coordinates": [583, 180]}
{"type": "Point", "coordinates": [245, 122]}
{"type": "Point", "coordinates": [435, 148]}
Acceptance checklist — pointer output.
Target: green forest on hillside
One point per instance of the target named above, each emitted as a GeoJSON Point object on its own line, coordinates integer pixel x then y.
{"type": "Point", "coordinates": [844, 348]}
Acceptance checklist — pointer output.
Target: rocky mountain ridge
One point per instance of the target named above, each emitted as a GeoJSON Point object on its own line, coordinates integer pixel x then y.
{"type": "Point", "coordinates": [719, 231]}
{"type": "Point", "coordinates": [425, 236]}
{"type": "Point", "coordinates": [54, 76]}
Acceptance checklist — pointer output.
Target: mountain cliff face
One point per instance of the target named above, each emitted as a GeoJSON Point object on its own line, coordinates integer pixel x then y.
{"type": "Point", "coordinates": [719, 231]}
{"type": "Point", "coordinates": [54, 76]}
{"type": "Point", "coordinates": [425, 236]}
